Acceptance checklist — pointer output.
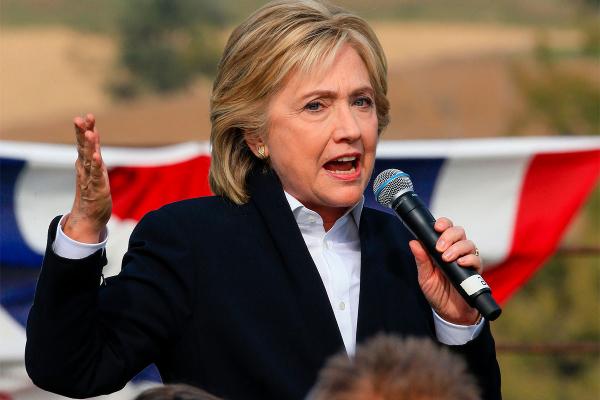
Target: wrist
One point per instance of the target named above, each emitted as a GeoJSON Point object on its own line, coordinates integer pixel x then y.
{"type": "Point", "coordinates": [80, 230]}
{"type": "Point", "coordinates": [472, 317]}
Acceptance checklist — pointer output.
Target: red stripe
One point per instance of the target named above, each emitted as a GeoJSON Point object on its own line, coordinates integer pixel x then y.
{"type": "Point", "coordinates": [137, 190]}
{"type": "Point", "coordinates": [554, 188]}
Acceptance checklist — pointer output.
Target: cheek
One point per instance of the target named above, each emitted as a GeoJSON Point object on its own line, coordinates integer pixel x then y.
{"type": "Point", "coordinates": [370, 141]}
{"type": "Point", "coordinates": [296, 167]}
{"type": "Point", "coordinates": [371, 137]}
{"type": "Point", "coordinates": [368, 166]}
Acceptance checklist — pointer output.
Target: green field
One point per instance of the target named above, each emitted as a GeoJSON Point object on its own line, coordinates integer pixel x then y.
{"type": "Point", "coordinates": [103, 15]}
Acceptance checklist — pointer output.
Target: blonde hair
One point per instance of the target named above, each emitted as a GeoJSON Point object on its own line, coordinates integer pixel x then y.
{"type": "Point", "coordinates": [279, 38]}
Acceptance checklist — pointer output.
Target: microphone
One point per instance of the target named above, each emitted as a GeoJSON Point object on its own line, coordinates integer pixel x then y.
{"type": "Point", "coordinates": [393, 188]}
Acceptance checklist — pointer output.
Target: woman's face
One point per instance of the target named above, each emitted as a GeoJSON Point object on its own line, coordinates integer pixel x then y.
{"type": "Point", "coordinates": [322, 135]}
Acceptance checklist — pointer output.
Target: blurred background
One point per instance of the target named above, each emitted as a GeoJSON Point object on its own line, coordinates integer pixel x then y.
{"type": "Point", "coordinates": [461, 68]}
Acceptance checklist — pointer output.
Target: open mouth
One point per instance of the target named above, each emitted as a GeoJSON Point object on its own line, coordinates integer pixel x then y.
{"type": "Point", "coordinates": [345, 165]}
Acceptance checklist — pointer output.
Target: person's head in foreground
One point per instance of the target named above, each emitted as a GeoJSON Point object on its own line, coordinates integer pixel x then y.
{"type": "Point", "coordinates": [301, 88]}
{"type": "Point", "coordinates": [175, 392]}
{"type": "Point", "coordinates": [390, 368]}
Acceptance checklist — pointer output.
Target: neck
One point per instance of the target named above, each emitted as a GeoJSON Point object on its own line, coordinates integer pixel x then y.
{"type": "Point", "coordinates": [329, 215]}
{"type": "Point", "coordinates": [328, 224]}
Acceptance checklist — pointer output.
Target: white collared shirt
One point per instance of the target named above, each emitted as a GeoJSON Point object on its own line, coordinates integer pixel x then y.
{"type": "Point", "coordinates": [336, 254]}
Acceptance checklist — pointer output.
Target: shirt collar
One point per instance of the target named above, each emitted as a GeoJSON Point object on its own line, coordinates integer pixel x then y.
{"type": "Point", "coordinates": [296, 207]}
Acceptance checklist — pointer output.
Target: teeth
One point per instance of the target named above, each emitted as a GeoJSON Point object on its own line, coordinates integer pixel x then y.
{"type": "Point", "coordinates": [350, 171]}
{"type": "Point", "coordinates": [345, 159]}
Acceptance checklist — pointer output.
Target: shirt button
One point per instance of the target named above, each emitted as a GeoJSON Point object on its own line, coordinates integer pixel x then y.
{"type": "Point", "coordinates": [342, 305]}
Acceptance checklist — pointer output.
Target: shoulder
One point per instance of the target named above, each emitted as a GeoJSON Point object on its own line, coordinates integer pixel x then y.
{"type": "Point", "coordinates": [210, 212]}
{"type": "Point", "coordinates": [205, 208]}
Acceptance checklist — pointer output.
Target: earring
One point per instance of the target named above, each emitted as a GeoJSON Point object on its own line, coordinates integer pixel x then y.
{"type": "Point", "coordinates": [261, 152]}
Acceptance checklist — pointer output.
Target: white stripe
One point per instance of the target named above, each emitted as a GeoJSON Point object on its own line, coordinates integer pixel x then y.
{"type": "Point", "coordinates": [119, 232]}
{"type": "Point", "coordinates": [12, 338]}
{"type": "Point", "coordinates": [65, 155]}
{"type": "Point", "coordinates": [487, 147]}
{"type": "Point", "coordinates": [41, 193]}
{"type": "Point", "coordinates": [62, 154]}
{"type": "Point", "coordinates": [482, 196]}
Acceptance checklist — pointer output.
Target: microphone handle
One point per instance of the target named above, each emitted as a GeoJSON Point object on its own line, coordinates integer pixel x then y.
{"type": "Point", "coordinates": [415, 215]}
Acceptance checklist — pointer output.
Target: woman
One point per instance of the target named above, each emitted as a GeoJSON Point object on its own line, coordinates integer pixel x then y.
{"type": "Point", "coordinates": [247, 293]}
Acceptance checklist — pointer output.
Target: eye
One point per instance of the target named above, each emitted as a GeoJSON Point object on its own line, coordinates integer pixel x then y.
{"type": "Point", "coordinates": [314, 106]}
{"type": "Point", "coordinates": [363, 102]}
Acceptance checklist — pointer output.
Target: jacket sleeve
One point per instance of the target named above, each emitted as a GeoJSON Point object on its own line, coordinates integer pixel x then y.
{"type": "Point", "coordinates": [479, 353]}
{"type": "Point", "coordinates": [85, 338]}
{"type": "Point", "coordinates": [480, 356]}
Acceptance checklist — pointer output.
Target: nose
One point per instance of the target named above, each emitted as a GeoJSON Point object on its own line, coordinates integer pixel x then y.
{"type": "Point", "coordinates": [346, 128]}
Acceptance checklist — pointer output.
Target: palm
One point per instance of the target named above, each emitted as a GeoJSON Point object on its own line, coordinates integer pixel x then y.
{"type": "Point", "coordinates": [442, 296]}
{"type": "Point", "coordinates": [92, 206]}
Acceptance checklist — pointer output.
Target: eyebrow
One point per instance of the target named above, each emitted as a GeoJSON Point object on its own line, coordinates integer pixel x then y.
{"type": "Point", "coordinates": [332, 94]}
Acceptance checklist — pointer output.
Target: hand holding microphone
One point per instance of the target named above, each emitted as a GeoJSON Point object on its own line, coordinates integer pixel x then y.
{"type": "Point", "coordinates": [455, 289]}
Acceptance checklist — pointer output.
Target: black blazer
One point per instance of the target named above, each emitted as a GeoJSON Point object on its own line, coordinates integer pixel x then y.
{"type": "Point", "coordinates": [224, 297]}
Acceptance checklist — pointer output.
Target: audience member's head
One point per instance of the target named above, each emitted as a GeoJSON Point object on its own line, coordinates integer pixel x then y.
{"type": "Point", "coordinates": [390, 368]}
{"type": "Point", "coordinates": [175, 392]}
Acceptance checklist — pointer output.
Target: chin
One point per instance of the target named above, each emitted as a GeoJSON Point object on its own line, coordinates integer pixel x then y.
{"type": "Point", "coordinates": [345, 197]}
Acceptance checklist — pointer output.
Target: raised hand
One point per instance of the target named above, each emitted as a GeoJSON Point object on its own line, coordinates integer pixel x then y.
{"type": "Point", "coordinates": [93, 204]}
{"type": "Point", "coordinates": [442, 296]}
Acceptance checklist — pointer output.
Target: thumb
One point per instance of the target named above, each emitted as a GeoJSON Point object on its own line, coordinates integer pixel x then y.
{"type": "Point", "coordinates": [424, 264]}
{"type": "Point", "coordinates": [421, 256]}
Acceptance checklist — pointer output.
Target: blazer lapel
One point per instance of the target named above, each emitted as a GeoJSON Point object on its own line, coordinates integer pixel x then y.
{"type": "Point", "coordinates": [371, 301]}
{"type": "Point", "coordinates": [322, 333]}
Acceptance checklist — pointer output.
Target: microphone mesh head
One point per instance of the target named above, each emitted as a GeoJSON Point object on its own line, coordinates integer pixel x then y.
{"type": "Point", "coordinates": [389, 184]}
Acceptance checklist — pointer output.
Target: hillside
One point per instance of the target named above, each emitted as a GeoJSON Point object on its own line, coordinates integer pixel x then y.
{"type": "Point", "coordinates": [446, 80]}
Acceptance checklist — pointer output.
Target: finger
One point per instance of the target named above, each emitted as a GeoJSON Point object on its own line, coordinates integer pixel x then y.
{"type": "Point", "coordinates": [90, 122]}
{"type": "Point", "coordinates": [422, 259]}
{"type": "Point", "coordinates": [97, 157]}
{"type": "Point", "coordinates": [82, 177]}
{"type": "Point", "coordinates": [97, 167]}
{"type": "Point", "coordinates": [471, 261]}
{"type": "Point", "coordinates": [89, 148]}
{"type": "Point", "coordinates": [458, 249]}
{"type": "Point", "coordinates": [97, 141]}
{"type": "Point", "coordinates": [79, 125]}
{"type": "Point", "coordinates": [81, 173]}
{"type": "Point", "coordinates": [424, 264]}
{"type": "Point", "coordinates": [442, 223]}
{"type": "Point", "coordinates": [421, 256]}
{"type": "Point", "coordinates": [449, 237]}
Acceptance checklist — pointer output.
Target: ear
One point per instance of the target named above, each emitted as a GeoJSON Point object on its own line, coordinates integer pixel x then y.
{"type": "Point", "coordinates": [256, 143]}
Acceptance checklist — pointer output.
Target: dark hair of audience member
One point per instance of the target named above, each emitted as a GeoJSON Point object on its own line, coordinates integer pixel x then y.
{"type": "Point", "coordinates": [390, 368]}
{"type": "Point", "coordinates": [175, 392]}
